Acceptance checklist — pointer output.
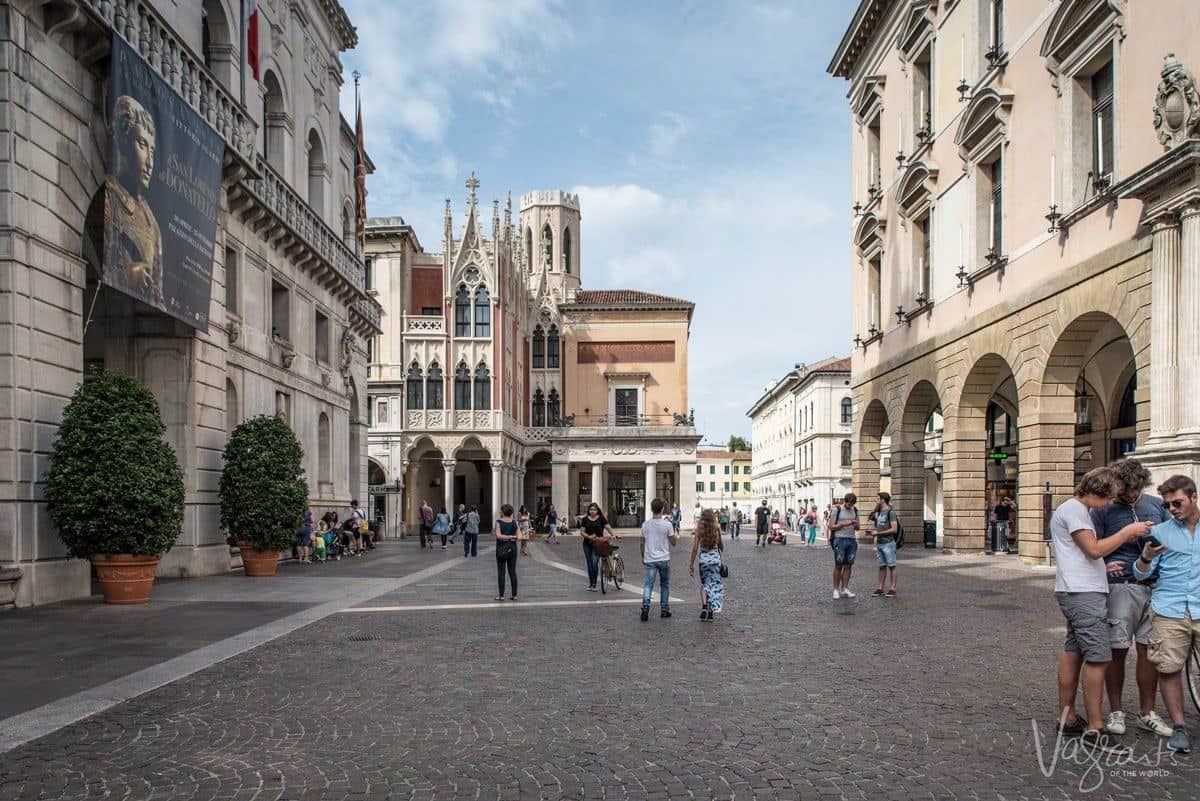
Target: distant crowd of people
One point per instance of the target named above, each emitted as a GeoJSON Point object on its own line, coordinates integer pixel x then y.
{"type": "Point", "coordinates": [325, 539]}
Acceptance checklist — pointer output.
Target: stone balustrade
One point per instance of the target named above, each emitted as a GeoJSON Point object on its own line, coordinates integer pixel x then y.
{"type": "Point", "coordinates": [414, 324]}
{"type": "Point", "coordinates": [371, 312]}
{"type": "Point", "coordinates": [144, 29]}
{"type": "Point", "coordinates": [452, 420]}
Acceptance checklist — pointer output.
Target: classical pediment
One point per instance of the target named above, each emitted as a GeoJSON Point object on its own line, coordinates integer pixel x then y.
{"type": "Point", "coordinates": [868, 234]}
{"type": "Point", "coordinates": [1076, 27]}
{"type": "Point", "coordinates": [869, 99]}
{"type": "Point", "coordinates": [919, 27]}
{"type": "Point", "coordinates": [984, 123]}
{"type": "Point", "coordinates": [916, 189]}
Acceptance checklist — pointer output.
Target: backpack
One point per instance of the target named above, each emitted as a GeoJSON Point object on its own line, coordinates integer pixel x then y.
{"type": "Point", "coordinates": [899, 534]}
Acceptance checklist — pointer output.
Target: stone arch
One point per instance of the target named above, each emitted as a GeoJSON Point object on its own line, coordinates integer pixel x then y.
{"type": "Point", "coordinates": [233, 410]}
{"type": "Point", "coordinates": [314, 147]}
{"type": "Point", "coordinates": [377, 474]}
{"type": "Point", "coordinates": [217, 40]}
{"type": "Point", "coordinates": [274, 120]}
{"type": "Point", "coordinates": [916, 455]}
{"type": "Point", "coordinates": [873, 428]}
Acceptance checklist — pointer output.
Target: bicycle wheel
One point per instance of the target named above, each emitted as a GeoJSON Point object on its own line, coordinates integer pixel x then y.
{"type": "Point", "coordinates": [603, 571]}
{"type": "Point", "coordinates": [618, 574]}
{"type": "Point", "coordinates": [1193, 674]}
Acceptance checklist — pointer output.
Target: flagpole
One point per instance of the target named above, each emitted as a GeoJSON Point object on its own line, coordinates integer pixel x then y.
{"type": "Point", "coordinates": [245, 56]}
{"type": "Point", "coordinates": [356, 75]}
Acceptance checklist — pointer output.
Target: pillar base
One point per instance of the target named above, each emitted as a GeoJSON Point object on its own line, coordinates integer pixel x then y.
{"type": "Point", "coordinates": [1166, 458]}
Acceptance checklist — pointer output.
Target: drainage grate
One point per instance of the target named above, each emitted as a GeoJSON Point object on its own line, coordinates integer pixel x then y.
{"type": "Point", "coordinates": [365, 638]}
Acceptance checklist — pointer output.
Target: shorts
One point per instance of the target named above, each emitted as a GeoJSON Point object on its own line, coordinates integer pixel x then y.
{"type": "Point", "coordinates": [1171, 641]}
{"type": "Point", "coordinates": [885, 553]}
{"type": "Point", "coordinates": [1087, 624]}
{"type": "Point", "coordinates": [1128, 615]}
{"type": "Point", "coordinates": [844, 549]}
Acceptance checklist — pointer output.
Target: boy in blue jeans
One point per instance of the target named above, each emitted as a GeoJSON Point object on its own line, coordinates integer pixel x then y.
{"type": "Point", "coordinates": [658, 535]}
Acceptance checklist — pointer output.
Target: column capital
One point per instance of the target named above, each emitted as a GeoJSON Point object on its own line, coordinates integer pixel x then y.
{"type": "Point", "coordinates": [1189, 211]}
{"type": "Point", "coordinates": [449, 464]}
{"type": "Point", "coordinates": [496, 463]}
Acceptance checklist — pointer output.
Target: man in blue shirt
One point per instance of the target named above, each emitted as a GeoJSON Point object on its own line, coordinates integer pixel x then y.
{"type": "Point", "coordinates": [1129, 598]}
{"type": "Point", "coordinates": [1175, 598]}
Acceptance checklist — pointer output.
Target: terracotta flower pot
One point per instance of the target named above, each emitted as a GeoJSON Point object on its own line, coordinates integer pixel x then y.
{"type": "Point", "coordinates": [258, 563]}
{"type": "Point", "coordinates": [125, 578]}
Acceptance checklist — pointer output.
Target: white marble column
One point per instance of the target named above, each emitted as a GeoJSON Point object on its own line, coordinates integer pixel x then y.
{"type": "Point", "coordinates": [497, 487]}
{"type": "Point", "coordinates": [1188, 311]}
{"type": "Point", "coordinates": [1164, 288]}
{"type": "Point", "coordinates": [448, 484]}
{"type": "Point", "coordinates": [598, 483]}
{"type": "Point", "coordinates": [519, 485]}
{"type": "Point", "coordinates": [651, 486]}
{"type": "Point", "coordinates": [687, 494]}
{"type": "Point", "coordinates": [560, 490]}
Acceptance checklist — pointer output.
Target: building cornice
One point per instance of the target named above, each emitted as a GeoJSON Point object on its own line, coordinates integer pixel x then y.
{"type": "Point", "coordinates": [858, 36]}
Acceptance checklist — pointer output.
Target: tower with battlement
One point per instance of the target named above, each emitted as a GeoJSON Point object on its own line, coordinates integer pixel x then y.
{"type": "Point", "coordinates": [549, 239]}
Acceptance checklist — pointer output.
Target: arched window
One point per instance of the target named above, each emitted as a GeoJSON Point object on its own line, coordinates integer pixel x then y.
{"type": "Point", "coordinates": [554, 409]}
{"type": "Point", "coordinates": [462, 312]}
{"type": "Point", "coordinates": [216, 43]}
{"type": "Point", "coordinates": [462, 387]}
{"type": "Point", "coordinates": [434, 388]}
{"type": "Point", "coordinates": [232, 414]}
{"type": "Point", "coordinates": [316, 173]}
{"type": "Point", "coordinates": [539, 409]}
{"type": "Point", "coordinates": [845, 453]}
{"type": "Point", "coordinates": [566, 246]}
{"type": "Point", "coordinates": [414, 384]}
{"type": "Point", "coordinates": [529, 254]}
{"type": "Point", "coordinates": [483, 313]}
{"type": "Point", "coordinates": [847, 411]}
{"type": "Point", "coordinates": [547, 247]}
{"type": "Point", "coordinates": [274, 121]}
{"type": "Point", "coordinates": [552, 347]}
{"type": "Point", "coordinates": [538, 349]}
{"type": "Point", "coordinates": [324, 465]}
{"type": "Point", "coordinates": [483, 388]}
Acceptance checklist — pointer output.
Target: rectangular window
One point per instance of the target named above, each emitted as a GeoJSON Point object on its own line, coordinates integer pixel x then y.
{"type": "Point", "coordinates": [626, 407]}
{"type": "Point", "coordinates": [746, 470]}
{"type": "Point", "coordinates": [996, 207]}
{"type": "Point", "coordinates": [699, 486]}
{"type": "Point", "coordinates": [283, 406]}
{"type": "Point", "coordinates": [712, 469]}
{"type": "Point", "coordinates": [231, 281]}
{"type": "Point", "coordinates": [727, 486]}
{"type": "Point", "coordinates": [735, 469]}
{"type": "Point", "coordinates": [874, 179]}
{"type": "Point", "coordinates": [321, 331]}
{"type": "Point", "coordinates": [712, 486]}
{"type": "Point", "coordinates": [280, 302]}
{"type": "Point", "coordinates": [368, 278]}
{"type": "Point", "coordinates": [746, 486]}
{"type": "Point", "coordinates": [370, 411]}
{"type": "Point", "coordinates": [726, 469]}
{"type": "Point", "coordinates": [430, 311]}
{"type": "Point", "coordinates": [370, 350]}
{"type": "Point", "coordinates": [874, 288]}
{"type": "Point", "coordinates": [996, 27]}
{"type": "Point", "coordinates": [922, 101]}
{"type": "Point", "coordinates": [538, 353]}
{"type": "Point", "coordinates": [1102, 121]}
{"type": "Point", "coordinates": [699, 469]}
{"type": "Point", "coordinates": [921, 256]}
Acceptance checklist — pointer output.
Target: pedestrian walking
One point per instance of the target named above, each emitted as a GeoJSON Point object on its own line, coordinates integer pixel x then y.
{"type": "Point", "coordinates": [843, 536]}
{"type": "Point", "coordinates": [1129, 609]}
{"type": "Point", "coordinates": [594, 527]}
{"type": "Point", "coordinates": [658, 537]}
{"type": "Point", "coordinates": [459, 526]}
{"type": "Point", "coordinates": [552, 524]}
{"type": "Point", "coordinates": [427, 516]}
{"type": "Point", "coordinates": [471, 533]}
{"type": "Point", "coordinates": [708, 551]}
{"type": "Point", "coordinates": [676, 517]}
{"type": "Point", "coordinates": [304, 546]}
{"type": "Point", "coordinates": [887, 528]}
{"type": "Point", "coordinates": [813, 521]}
{"type": "Point", "coordinates": [762, 516]}
{"type": "Point", "coordinates": [1081, 588]}
{"type": "Point", "coordinates": [723, 520]}
{"type": "Point", "coordinates": [505, 532]}
{"type": "Point", "coordinates": [1173, 550]}
{"type": "Point", "coordinates": [441, 526]}
{"type": "Point", "coordinates": [736, 521]}
{"type": "Point", "coordinates": [523, 530]}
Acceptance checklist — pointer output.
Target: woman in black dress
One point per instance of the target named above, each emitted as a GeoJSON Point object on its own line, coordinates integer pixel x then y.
{"type": "Point", "coordinates": [594, 527]}
{"type": "Point", "coordinates": [505, 532]}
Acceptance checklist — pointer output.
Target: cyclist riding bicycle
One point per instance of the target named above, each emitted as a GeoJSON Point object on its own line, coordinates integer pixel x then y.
{"type": "Point", "coordinates": [596, 533]}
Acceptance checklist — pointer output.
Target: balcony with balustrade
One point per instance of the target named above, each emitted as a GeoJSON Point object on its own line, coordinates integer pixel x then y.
{"type": "Point", "coordinates": [424, 326]}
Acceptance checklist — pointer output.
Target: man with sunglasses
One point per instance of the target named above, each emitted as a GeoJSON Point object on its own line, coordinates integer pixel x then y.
{"type": "Point", "coordinates": [1129, 598]}
{"type": "Point", "coordinates": [1174, 551]}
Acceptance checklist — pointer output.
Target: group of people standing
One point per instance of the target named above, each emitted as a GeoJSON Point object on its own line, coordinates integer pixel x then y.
{"type": "Point", "coordinates": [1127, 576]}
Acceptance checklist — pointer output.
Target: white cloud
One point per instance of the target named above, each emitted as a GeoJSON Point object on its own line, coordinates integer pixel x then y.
{"type": "Point", "coordinates": [666, 133]}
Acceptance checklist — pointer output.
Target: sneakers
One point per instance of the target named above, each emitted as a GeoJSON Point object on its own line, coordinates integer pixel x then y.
{"type": "Point", "coordinates": [846, 593]}
{"type": "Point", "coordinates": [665, 613]}
{"type": "Point", "coordinates": [1181, 739]}
{"type": "Point", "coordinates": [836, 595]}
{"type": "Point", "coordinates": [890, 594]}
{"type": "Point", "coordinates": [1115, 723]}
{"type": "Point", "coordinates": [1153, 723]}
{"type": "Point", "coordinates": [1078, 727]}
{"type": "Point", "coordinates": [645, 613]}
{"type": "Point", "coordinates": [593, 589]}
{"type": "Point", "coordinates": [877, 593]}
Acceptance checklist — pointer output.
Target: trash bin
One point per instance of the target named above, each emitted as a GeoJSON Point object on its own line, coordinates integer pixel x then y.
{"type": "Point", "coordinates": [930, 533]}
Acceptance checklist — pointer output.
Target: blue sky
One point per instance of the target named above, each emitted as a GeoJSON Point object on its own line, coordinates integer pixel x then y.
{"type": "Point", "coordinates": [707, 144]}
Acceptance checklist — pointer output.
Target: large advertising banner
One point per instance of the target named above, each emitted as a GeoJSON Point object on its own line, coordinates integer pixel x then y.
{"type": "Point", "coordinates": [161, 194]}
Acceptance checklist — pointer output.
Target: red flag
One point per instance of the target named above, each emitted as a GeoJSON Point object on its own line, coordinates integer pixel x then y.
{"type": "Point", "coordinates": [252, 36]}
{"type": "Point", "coordinates": [360, 177]}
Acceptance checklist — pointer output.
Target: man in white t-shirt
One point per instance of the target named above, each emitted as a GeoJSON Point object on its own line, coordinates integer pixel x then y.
{"type": "Point", "coordinates": [1081, 587]}
{"type": "Point", "coordinates": [658, 535]}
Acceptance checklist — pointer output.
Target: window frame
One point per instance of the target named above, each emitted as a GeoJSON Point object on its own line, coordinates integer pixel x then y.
{"type": "Point", "coordinates": [462, 312]}
{"type": "Point", "coordinates": [414, 388]}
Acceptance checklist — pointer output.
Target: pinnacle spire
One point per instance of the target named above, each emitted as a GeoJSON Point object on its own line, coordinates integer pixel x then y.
{"type": "Point", "coordinates": [472, 185]}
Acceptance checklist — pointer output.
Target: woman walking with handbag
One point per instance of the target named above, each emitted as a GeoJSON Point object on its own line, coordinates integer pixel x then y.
{"type": "Point", "coordinates": [505, 532]}
{"type": "Point", "coordinates": [708, 546]}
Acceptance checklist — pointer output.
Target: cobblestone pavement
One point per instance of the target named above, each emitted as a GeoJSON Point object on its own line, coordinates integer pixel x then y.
{"type": "Point", "coordinates": [791, 696]}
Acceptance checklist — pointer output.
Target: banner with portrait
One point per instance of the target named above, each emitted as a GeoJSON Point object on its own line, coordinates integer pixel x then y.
{"type": "Point", "coordinates": [156, 220]}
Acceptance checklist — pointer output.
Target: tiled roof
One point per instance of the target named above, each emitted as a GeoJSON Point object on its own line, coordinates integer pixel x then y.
{"type": "Point", "coordinates": [832, 365]}
{"type": "Point", "coordinates": [625, 297]}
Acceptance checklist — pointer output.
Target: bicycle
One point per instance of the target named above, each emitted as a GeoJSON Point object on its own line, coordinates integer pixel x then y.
{"type": "Point", "coordinates": [1193, 673]}
{"type": "Point", "coordinates": [612, 566]}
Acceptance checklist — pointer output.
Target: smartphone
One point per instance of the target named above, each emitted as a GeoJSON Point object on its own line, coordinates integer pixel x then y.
{"type": "Point", "coordinates": [1153, 540]}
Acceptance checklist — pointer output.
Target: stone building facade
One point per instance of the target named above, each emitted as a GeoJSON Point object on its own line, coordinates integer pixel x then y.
{"type": "Point", "coordinates": [499, 379]}
{"type": "Point", "coordinates": [1025, 248]}
{"type": "Point", "coordinates": [824, 416]}
{"type": "Point", "coordinates": [289, 314]}
{"type": "Point", "coordinates": [723, 479]}
{"type": "Point", "coordinates": [772, 439]}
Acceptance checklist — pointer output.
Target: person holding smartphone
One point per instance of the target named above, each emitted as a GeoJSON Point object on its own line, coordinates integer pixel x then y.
{"type": "Point", "coordinates": [1173, 549]}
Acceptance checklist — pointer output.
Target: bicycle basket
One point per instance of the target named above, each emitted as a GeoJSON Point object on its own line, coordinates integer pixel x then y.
{"type": "Point", "coordinates": [602, 548]}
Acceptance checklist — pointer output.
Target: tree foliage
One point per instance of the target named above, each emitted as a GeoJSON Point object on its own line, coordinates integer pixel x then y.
{"type": "Point", "coordinates": [738, 444]}
{"type": "Point", "coordinates": [114, 485]}
{"type": "Point", "coordinates": [263, 493]}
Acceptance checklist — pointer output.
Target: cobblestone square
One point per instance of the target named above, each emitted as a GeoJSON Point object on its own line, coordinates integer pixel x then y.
{"type": "Point", "coordinates": [792, 695]}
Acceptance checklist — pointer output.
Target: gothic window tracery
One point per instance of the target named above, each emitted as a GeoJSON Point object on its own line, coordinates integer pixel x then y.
{"type": "Point", "coordinates": [554, 408]}
{"type": "Point", "coordinates": [538, 349]}
{"type": "Point", "coordinates": [413, 399]}
{"type": "Point", "coordinates": [434, 388]}
{"type": "Point", "coordinates": [539, 409]}
{"type": "Point", "coordinates": [462, 312]}
{"type": "Point", "coordinates": [483, 387]}
{"type": "Point", "coordinates": [547, 247]}
{"type": "Point", "coordinates": [552, 348]}
{"type": "Point", "coordinates": [462, 387]}
{"type": "Point", "coordinates": [483, 313]}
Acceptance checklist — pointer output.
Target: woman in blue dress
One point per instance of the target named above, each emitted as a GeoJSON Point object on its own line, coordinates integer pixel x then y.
{"type": "Point", "coordinates": [707, 545]}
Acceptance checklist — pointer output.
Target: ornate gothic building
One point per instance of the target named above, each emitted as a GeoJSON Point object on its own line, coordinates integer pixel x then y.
{"type": "Point", "coordinates": [499, 379]}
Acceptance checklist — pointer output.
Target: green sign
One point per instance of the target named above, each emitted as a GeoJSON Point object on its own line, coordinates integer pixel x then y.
{"type": "Point", "coordinates": [998, 456]}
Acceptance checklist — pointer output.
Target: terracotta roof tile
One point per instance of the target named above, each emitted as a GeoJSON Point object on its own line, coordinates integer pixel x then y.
{"type": "Point", "coordinates": [624, 297]}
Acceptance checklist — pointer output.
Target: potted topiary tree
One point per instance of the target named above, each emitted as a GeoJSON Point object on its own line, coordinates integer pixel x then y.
{"type": "Point", "coordinates": [114, 488]}
{"type": "Point", "coordinates": [263, 493]}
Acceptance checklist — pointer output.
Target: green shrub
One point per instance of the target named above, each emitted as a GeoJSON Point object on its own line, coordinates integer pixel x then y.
{"type": "Point", "coordinates": [114, 485]}
{"type": "Point", "coordinates": [263, 492]}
